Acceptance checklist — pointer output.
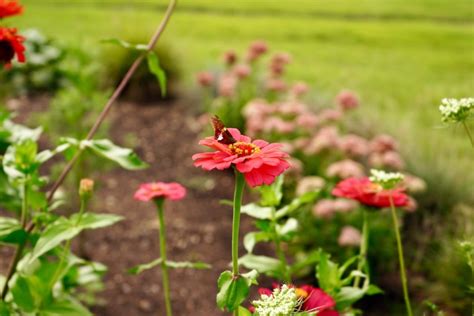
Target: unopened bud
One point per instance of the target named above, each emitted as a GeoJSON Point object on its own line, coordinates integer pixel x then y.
{"type": "Point", "coordinates": [86, 187]}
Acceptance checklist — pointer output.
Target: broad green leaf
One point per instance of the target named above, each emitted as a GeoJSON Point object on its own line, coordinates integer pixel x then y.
{"type": "Point", "coordinates": [11, 231]}
{"type": "Point", "coordinates": [262, 264]}
{"type": "Point", "coordinates": [187, 265]}
{"type": "Point", "coordinates": [308, 197]}
{"type": "Point", "coordinates": [93, 220]}
{"type": "Point", "coordinates": [232, 291]}
{"type": "Point", "coordinates": [66, 307]}
{"type": "Point", "coordinates": [328, 274]}
{"type": "Point", "coordinates": [290, 226]}
{"type": "Point", "coordinates": [251, 277]}
{"type": "Point", "coordinates": [64, 229]}
{"type": "Point", "coordinates": [45, 155]}
{"type": "Point", "coordinates": [271, 195]}
{"type": "Point", "coordinates": [125, 44]}
{"type": "Point", "coordinates": [4, 310]}
{"type": "Point", "coordinates": [347, 296]}
{"type": "Point", "coordinates": [256, 211]}
{"type": "Point", "coordinates": [251, 239]}
{"type": "Point", "coordinates": [155, 68]}
{"type": "Point", "coordinates": [305, 261]}
{"type": "Point", "coordinates": [125, 157]}
{"type": "Point", "coordinates": [23, 296]}
{"type": "Point", "coordinates": [18, 133]}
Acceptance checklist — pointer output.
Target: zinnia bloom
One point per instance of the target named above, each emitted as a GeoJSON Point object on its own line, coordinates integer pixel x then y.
{"type": "Point", "coordinates": [259, 161]}
{"type": "Point", "coordinates": [369, 193]}
{"type": "Point", "coordinates": [156, 190]}
{"type": "Point", "coordinates": [11, 44]}
{"type": "Point", "coordinates": [314, 300]}
{"type": "Point", "coordinates": [9, 8]}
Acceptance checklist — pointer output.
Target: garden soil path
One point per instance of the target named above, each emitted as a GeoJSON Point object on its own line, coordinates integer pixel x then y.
{"type": "Point", "coordinates": [165, 135]}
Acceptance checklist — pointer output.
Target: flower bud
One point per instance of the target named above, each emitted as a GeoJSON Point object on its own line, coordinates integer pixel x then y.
{"type": "Point", "coordinates": [86, 187]}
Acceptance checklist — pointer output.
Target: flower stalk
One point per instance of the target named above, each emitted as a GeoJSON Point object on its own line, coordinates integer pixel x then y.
{"type": "Point", "coordinates": [400, 258]}
{"type": "Point", "coordinates": [164, 267]}
{"type": "Point", "coordinates": [363, 246]}
{"type": "Point", "coordinates": [239, 187]}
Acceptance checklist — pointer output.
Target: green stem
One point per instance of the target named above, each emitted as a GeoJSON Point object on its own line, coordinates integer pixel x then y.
{"type": "Point", "coordinates": [21, 246]}
{"type": "Point", "coordinates": [279, 251]}
{"type": "Point", "coordinates": [400, 258]}
{"type": "Point", "coordinates": [239, 187]}
{"type": "Point", "coordinates": [468, 133]}
{"type": "Point", "coordinates": [164, 267]}
{"type": "Point", "coordinates": [363, 246]}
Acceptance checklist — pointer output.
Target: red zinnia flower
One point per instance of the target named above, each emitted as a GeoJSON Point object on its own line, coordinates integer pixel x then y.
{"type": "Point", "coordinates": [9, 8]}
{"type": "Point", "coordinates": [259, 161]}
{"type": "Point", "coordinates": [314, 300]}
{"type": "Point", "coordinates": [369, 193]}
{"type": "Point", "coordinates": [11, 45]}
{"type": "Point", "coordinates": [154, 190]}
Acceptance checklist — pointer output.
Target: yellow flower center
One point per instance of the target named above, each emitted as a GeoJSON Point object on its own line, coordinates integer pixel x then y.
{"type": "Point", "coordinates": [243, 149]}
{"type": "Point", "coordinates": [301, 293]}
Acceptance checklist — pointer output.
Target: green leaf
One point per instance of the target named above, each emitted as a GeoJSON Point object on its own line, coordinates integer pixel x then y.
{"type": "Point", "coordinates": [251, 239]}
{"type": "Point", "coordinates": [347, 296]}
{"type": "Point", "coordinates": [11, 231]}
{"type": "Point", "coordinates": [290, 226]}
{"type": "Point", "coordinates": [146, 266]}
{"type": "Point", "coordinates": [373, 290]}
{"type": "Point", "coordinates": [328, 274]}
{"type": "Point", "coordinates": [125, 157]}
{"type": "Point", "coordinates": [125, 44]}
{"type": "Point", "coordinates": [68, 307]}
{"type": "Point", "coordinates": [23, 295]}
{"type": "Point", "coordinates": [64, 229]}
{"type": "Point", "coordinates": [170, 264]}
{"type": "Point", "coordinates": [155, 68]}
{"type": "Point", "coordinates": [45, 155]}
{"type": "Point", "coordinates": [257, 211]}
{"type": "Point", "coordinates": [4, 310]}
{"type": "Point", "coordinates": [244, 312]}
{"type": "Point", "coordinates": [233, 290]}
{"type": "Point", "coordinates": [308, 260]}
{"type": "Point", "coordinates": [262, 264]}
{"type": "Point", "coordinates": [188, 265]}
{"type": "Point", "coordinates": [271, 195]}
{"type": "Point", "coordinates": [308, 197]}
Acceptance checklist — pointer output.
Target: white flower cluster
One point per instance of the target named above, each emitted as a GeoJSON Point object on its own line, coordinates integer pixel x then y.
{"type": "Point", "coordinates": [387, 180]}
{"type": "Point", "coordinates": [454, 110]}
{"type": "Point", "coordinates": [282, 302]}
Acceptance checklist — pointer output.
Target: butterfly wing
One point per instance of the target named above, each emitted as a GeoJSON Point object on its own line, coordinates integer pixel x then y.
{"type": "Point", "coordinates": [221, 134]}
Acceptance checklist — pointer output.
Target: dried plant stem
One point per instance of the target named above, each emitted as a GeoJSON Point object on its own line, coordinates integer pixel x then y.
{"type": "Point", "coordinates": [118, 91]}
{"type": "Point", "coordinates": [468, 133]}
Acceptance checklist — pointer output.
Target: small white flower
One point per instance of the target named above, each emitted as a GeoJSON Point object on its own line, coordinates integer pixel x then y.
{"type": "Point", "coordinates": [282, 302]}
{"type": "Point", "coordinates": [387, 180]}
{"type": "Point", "coordinates": [454, 110]}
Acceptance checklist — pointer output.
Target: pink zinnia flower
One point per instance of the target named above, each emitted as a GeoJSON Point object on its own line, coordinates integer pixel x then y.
{"type": "Point", "coordinates": [345, 169]}
{"type": "Point", "coordinates": [350, 236]}
{"type": "Point", "coordinates": [347, 100]}
{"type": "Point", "coordinates": [156, 190]}
{"type": "Point", "coordinates": [205, 78]}
{"type": "Point", "coordinates": [369, 193]}
{"type": "Point", "coordinates": [259, 161]}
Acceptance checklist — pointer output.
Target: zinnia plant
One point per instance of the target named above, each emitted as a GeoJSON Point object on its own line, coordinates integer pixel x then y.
{"type": "Point", "coordinates": [255, 162]}
{"type": "Point", "coordinates": [11, 45]}
{"type": "Point", "coordinates": [380, 191]}
{"type": "Point", "coordinates": [9, 8]}
{"type": "Point", "coordinates": [158, 192]}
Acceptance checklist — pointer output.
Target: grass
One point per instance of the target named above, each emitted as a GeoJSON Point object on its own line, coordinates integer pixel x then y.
{"type": "Point", "coordinates": [401, 56]}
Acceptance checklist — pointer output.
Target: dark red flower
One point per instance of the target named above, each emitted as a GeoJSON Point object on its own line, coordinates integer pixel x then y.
{"type": "Point", "coordinates": [11, 44]}
{"type": "Point", "coordinates": [154, 190]}
{"type": "Point", "coordinates": [314, 300]}
{"type": "Point", "coordinates": [369, 193]}
{"type": "Point", "coordinates": [9, 8]}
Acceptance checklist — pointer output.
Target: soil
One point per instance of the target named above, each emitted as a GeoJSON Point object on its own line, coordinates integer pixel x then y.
{"type": "Point", "coordinates": [198, 227]}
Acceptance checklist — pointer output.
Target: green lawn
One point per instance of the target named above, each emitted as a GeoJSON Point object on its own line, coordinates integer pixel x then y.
{"type": "Point", "coordinates": [401, 56]}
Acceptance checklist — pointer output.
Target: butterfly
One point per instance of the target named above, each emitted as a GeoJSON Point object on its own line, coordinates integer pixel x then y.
{"type": "Point", "coordinates": [221, 134]}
